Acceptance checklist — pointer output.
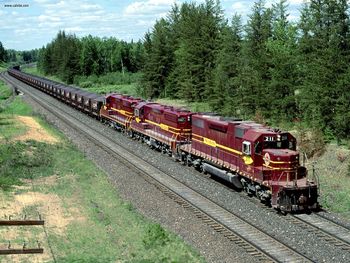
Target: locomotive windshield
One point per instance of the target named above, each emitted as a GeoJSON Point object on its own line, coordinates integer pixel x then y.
{"type": "Point", "coordinates": [181, 119]}
{"type": "Point", "coordinates": [279, 142]}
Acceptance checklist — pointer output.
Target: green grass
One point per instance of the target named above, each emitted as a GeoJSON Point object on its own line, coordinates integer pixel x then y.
{"type": "Point", "coordinates": [193, 106]}
{"type": "Point", "coordinates": [334, 179]}
{"type": "Point", "coordinates": [17, 107]}
{"type": "Point", "coordinates": [112, 230]}
{"type": "Point", "coordinates": [5, 91]}
{"type": "Point", "coordinates": [24, 160]}
{"type": "Point", "coordinates": [335, 195]}
{"type": "Point", "coordinates": [9, 126]}
{"type": "Point", "coordinates": [35, 71]}
{"type": "Point", "coordinates": [111, 82]}
{"type": "Point", "coordinates": [102, 227]}
{"type": "Point", "coordinates": [3, 67]}
{"type": "Point", "coordinates": [128, 89]}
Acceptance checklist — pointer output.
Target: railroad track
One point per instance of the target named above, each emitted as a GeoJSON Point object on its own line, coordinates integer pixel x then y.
{"type": "Point", "coordinates": [254, 240]}
{"type": "Point", "coordinates": [329, 230]}
{"type": "Point", "coordinates": [323, 227]}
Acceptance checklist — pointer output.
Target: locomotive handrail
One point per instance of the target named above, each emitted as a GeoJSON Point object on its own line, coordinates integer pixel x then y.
{"type": "Point", "coordinates": [288, 177]}
{"type": "Point", "coordinates": [315, 176]}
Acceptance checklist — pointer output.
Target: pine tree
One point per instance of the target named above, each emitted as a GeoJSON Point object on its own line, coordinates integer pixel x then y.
{"type": "Point", "coordinates": [254, 75]}
{"type": "Point", "coordinates": [199, 28]}
{"type": "Point", "coordinates": [224, 96]}
{"type": "Point", "coordinates": [324, 42]}
{"type": "Point", "coordinates": [3, 55]}
{"type": "Point", "coordinates": [282, 47]}
{"type": "Point", "coordinates": [157, 63]}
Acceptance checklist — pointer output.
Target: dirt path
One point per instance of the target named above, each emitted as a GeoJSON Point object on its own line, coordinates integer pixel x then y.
{"type": "Point", "coordinates": [35, 131]}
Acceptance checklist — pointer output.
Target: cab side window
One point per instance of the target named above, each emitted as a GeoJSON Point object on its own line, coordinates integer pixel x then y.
{"type": "Point", "coordinates": [258, 148]}
{"type": "Point", "coordinates": [246, 148]}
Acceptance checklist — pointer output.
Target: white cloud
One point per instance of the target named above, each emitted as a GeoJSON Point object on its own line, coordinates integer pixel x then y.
{"type": "Point", "coordinates": [46, 18]}
{"type": "Point", "coordinates": [24, 31]}
{"type": "Point", "coordinates": [150, 7]}
{"type": "Point", "coordinates": [242, 8]}
{"type": "Point", "coordinates": [42, 1]}
{"type": "Point", "coordinates": [297, 2]}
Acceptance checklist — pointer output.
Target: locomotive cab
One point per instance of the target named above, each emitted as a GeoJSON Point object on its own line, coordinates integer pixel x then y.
{"type": "Point", "coordinates": [269, 157]}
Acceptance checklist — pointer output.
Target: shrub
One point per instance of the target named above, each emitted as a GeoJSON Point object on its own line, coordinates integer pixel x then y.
{"type": "Point", "coordinates": [311, 141]}
{"type": "Point", "coordinates": [155, 236]}
{"type": "Point", "coordinates": [86, 84]}
{"type": "Point", "coordinates": [259, 118]}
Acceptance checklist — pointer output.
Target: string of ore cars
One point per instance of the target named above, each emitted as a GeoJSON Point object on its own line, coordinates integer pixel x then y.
{"type": "Point", "coordinates": [261, 160]}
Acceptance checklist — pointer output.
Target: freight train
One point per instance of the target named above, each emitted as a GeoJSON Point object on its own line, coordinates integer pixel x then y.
{"type": "Point", "coordinates": [255, 158]}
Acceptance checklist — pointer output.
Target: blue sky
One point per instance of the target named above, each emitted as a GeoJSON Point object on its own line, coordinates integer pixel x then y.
{"type": "Point", "coordinates": [37, 22]}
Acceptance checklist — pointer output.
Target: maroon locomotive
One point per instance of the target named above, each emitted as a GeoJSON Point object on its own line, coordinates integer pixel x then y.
{"type": "Point", "coordinates": [162, 127]}
{"type": "Point", "coordinates": [118, 110]}
{"type": "Point", "coordinates": [262, 161]}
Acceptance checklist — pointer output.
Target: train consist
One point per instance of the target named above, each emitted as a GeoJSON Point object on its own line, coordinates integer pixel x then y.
{"type": "Point", "coordinates": [261, 160]}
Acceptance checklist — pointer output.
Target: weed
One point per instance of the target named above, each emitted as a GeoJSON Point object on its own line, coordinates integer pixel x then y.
{"type": "Point", "coordinates": [155, 236]}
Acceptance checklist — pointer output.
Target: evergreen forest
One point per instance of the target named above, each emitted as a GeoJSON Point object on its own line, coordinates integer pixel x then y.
{"type": "Point", "coordinates": [267, 67]}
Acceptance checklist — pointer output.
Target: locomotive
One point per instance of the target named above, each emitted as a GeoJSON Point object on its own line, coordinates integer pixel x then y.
{"type": "Point", "coordinates": [252, 157]}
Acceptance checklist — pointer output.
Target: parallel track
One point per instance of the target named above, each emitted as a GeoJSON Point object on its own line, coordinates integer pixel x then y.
{"type": "Point", "coordinates": [330, 231]}
{"type": "Point", "coordinates": [323, 227]}
{"type": "Point", "coordinates": [236, 228]}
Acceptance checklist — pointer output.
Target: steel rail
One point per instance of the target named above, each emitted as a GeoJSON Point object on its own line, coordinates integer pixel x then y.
{"type": "Point", "coordinates": [273, 249]}
{"type": "Point", "coordinates": [325, 228]}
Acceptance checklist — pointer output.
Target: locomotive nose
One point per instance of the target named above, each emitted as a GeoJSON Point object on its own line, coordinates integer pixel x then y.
{"type": "Point", "coordinates": [281, 158]}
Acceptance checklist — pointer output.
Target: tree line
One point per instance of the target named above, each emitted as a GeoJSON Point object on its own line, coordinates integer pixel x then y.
{"type": "Point", "coordinates": [68, 56]}
{"type": "Point", "coordinates": [270, 66]}
{"type": "Point", "coordinates": [14, 56]}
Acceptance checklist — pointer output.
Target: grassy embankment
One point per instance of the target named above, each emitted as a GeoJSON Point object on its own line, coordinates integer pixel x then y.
{"type": "Point", "coordinates": [4, 91]}
{"type": "Point", "coordinates": [85, 218]}
{"type": "Point", "coordinates": [332, 166]}
{"type": "Point", "coordinates": [2, 67]}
